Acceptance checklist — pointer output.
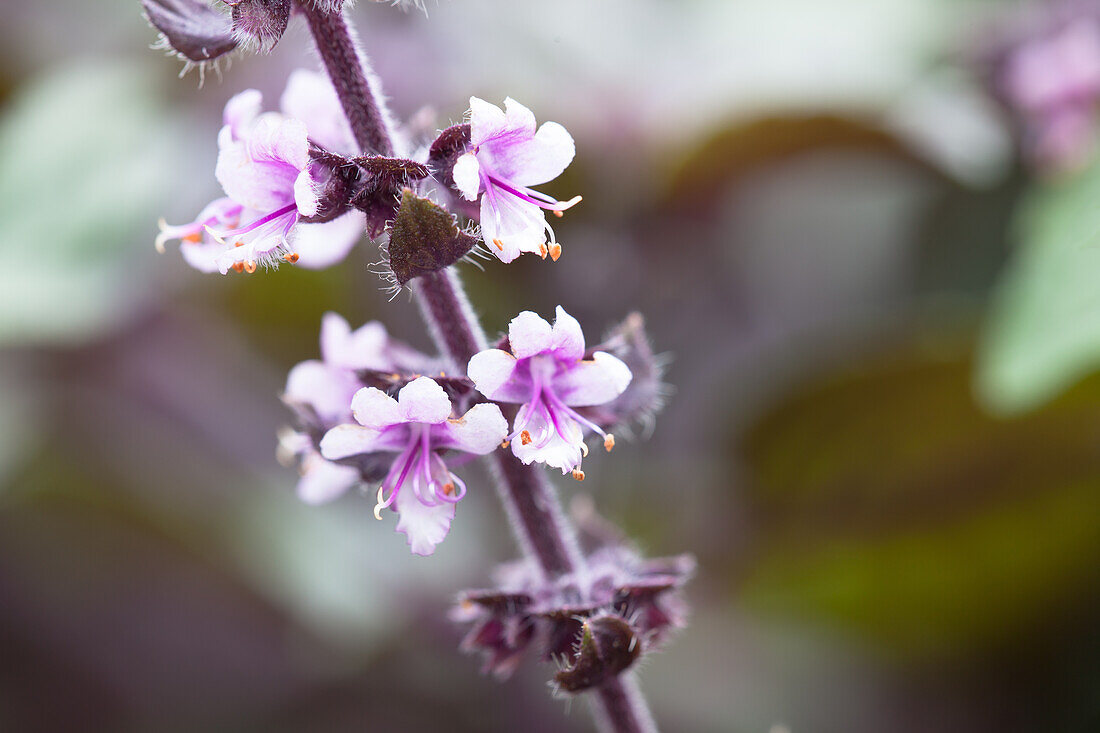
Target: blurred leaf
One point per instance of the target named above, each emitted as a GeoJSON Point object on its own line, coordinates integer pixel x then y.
{"type": "Point", "coordinates": [892, 507]}
{"type": "Point", "coordinates": [84, 166]}
{"type": "Point", "coordinates": [1044, 329]}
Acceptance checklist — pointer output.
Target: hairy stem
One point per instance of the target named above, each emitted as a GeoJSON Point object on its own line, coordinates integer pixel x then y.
{"type": "Point", "coordinates": [537, 520]}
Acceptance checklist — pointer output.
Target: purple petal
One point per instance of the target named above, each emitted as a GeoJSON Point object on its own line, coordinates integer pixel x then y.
{"type": "Point", "coordinates": [529, 334]}
{"type": "Point", "coordinates": [559, 452]}
{"type": "Point", "coordinates": [424, 526]}
{"type": "Point", "coordinates": [511, 227]}
{"type": "Point", "coordinates": [533, 160]}
{"type": "Point", "coordinates": [261, 170]}
{"type": "Point", "coordinates": [593, 382]}
{"type": "Point", "coordinates": [479, 431]}
{"type": "Point", "coordinates": [423, 400]}
{"type": "Point", "coordinates": [487, 121]}
{"type": "Point", "coordinates": [375, 409]}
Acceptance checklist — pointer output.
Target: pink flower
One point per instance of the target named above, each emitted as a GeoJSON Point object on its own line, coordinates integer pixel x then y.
{"type": "Point", "coordinates": [507, 156]}
{"type": "Point", "coordinates": [271, 185]}
{"type": "Point", "coordinates": [418, 428]}
{"type": "Point", "coordinates": [321, 391]}
{"type": "Point", "coordinates": [548, 373]}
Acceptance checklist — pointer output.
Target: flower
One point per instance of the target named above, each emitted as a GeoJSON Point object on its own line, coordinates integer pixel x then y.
{"type": "Point", "coordinates": [417, 426]}
{"type": "Point", "coordinates": [509, 155]}
{"type": "Point", "coordinates": [321, 391]}
{"type": "Point", "coordinates": [271, 184]}
{"type": "Point", "coordinates": [548, 373]}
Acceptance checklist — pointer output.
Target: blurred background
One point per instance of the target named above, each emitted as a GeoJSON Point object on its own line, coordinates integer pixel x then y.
{"type": "Point", "coordinates": [881, 310]}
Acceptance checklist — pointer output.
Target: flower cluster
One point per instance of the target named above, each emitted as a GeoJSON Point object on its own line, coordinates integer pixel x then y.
{"type": "Point", "coordinates": [305, 184]}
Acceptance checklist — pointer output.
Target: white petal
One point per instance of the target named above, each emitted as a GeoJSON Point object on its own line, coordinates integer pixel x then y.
{"type": "Point", "coordinates": [593, 382]}
{"type": "Point", "coordinates": [241, 110]}
{"type": "Point", "coordinates": [491, 371]}
{"type": "Point", "coordinates": [563, 453]}
{"type": "Point", "coordinates": [467, 175]}
{"type": "Point", "coordinates": [486, 121]}
{"type": "Point", "coordinates": [351, 440]}
{"type": "Point", "coordinates": [529, 334]}
{"type": "Point", "coordinates": [479, 431]}
{"type": "Point", "coordinates": [424, 526]}
{"type": "Point", "coordinates": [323, 245]}
{"type": "Point", "coordinates": [519, 117]}
{"type": "Point", "coordinates": [568, 337]}
{"type": "Point", "coordinates": [375, 409]}
{"type": "Point", "coordinates": [423, 400]}
{"type": "Point", "coordinates": [323, 481]}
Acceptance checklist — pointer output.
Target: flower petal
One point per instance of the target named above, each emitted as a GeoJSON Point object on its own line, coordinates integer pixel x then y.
{"type": "Point", "coordinates": [260, 172]}
{"type": "Point", "coordinates": [529, 334]}
{"type": "Point", "coordinates": [306, 197]}
{"type": "Point", "coordinates": [322, 245]}
{"type": "Point", "coordinates": [493, 372]}
{"type": "Point", "coordinates": [323, 481]}
{"type": "Point", "coordinates": [352, 440]}
{"type": "Point", "coordinates": [479, 431]}
{"type": "Point", "coordinates": [519, 118]}
{"type": "Point", "coordinates": [423, 400]}
{"type": "Point", "coordinates": [424, 526]}
{"type": "Point", "coordinates": [568, 337]}
{"type": "Point", "coordinates": [361, 349]}
{"type": "Point", "coordinates": [486, 121]}
{"type": "Point", "coordinates": [593, 382]}
{"type": "Point", "coordinates": [375, 409]}
{"type": "Point", "coordinates": [559, 452]}
{"type": "Point", "coordinates": [311, 98]}
{"type": "Point", "coordinates": [536, 159]}
{"type": "Point", "coordinates": [467, 175]}
{"type": "Point", "coordinates": [241, 111]}
{"type": "Point", "coordinates": [327, 390]}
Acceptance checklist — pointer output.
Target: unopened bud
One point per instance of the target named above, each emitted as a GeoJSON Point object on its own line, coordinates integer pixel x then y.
{"type": "Point", "coordinates": [191, 28]}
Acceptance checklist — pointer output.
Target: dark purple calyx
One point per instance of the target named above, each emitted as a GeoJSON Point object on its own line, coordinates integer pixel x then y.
{"type": "Point", "coordinates": [424, 238]}
{"type": "Point", "coordinates": [192, 28]}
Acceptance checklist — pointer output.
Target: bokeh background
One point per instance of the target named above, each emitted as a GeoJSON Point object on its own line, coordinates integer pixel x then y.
{"type": "Point", "coordinates": [883, 446]}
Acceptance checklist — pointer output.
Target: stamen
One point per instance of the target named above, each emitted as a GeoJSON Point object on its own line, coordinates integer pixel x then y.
{"type": "Point", "coordinates": [193, 238]}
{"type": "Point", "coordinates": [448, 488]}
{"type": "Point", "coordinates": [238, 267]}
{"type": "Point", "coordinates": [558, 213]}
{"type": "Point", "coordinates": [555, 251]}
{"type": "Point", "coordinates": [578, 474]}
{"type": "Point", "coordinates": [380, 505]}
{"type": "Point", "coordinates": [250, 267]}
{"type": "Point", "coordinates": [542, 250]}
{"type": "Point", "coordinates": [608, 442]}
{"type": "Point", "coordinates": [525, 437]}
{"type": "Point", "coordinates": [499, 244]}
{"type": "Point", "coordinates": [292, 257]}
{"type": "Point", "coordinates": [238, 243]}
{"type": "Point", "coordinates": [504, 444]}
{"type": "Point", "coordinates": [584, 450]}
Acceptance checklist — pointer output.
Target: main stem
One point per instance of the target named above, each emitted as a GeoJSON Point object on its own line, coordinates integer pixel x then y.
{"type": "Point", "coordinates": [541, 528]}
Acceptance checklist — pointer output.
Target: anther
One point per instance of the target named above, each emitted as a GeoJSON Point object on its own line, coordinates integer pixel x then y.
{"type": "Point", "coordinates": [504, 444]}
{"type": "Point", "coordinates": [609, 442]}
{"type": "Point", "coordinates": [558, 214]}
{"type": "Point", "coordinates": [194, 238]}
{"type": "Point", "coordinates": [238, 243]}
{"type": "Point", "coordinates": [555, 251]}
{"type": "Point", "coordinates": [578, 474]}
{"type": "Point", "coordinates": [238, 267]}
{"type": "Point", "coordinates": [525, 437]}
{"type": "Point", "coordinates": [291, 258]}
{"type": "Point", "coordinates": [499, 244]}
{"type": "Point", "coordinates": [448, 488]}
{"type": "Point", "coordinates": [379, 506]}
{"type": "Point", "coordinates": [250, 267]}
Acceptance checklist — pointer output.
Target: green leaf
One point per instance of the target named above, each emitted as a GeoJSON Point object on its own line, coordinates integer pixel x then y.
{"type": "Point", "coordinates": [85, 165]}
{"type": "Point", "coordinates": [1043, 333]}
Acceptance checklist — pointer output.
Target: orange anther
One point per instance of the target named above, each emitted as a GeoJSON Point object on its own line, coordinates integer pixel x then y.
{"type": "Point", "coordinates": [238, 243]}
{"type": "Point", "coordinates": [499, 244]}
{"type": "Point", "coordinates": [578, 474]}
{"type": "Point", "coordinates": [291, 258]}
{"type": "Point", "coordinates": [250, 267]}
{"type": "Point", "coordinates": [558, 214]}
{"type": "Point", "coordinates": [542, 250]}
{"type": "Point", "coordinates": [609, 442]}
{"type": "Point", "coordinates": [555, 251]}
{"type": "Point", "coordinates": [525, 437]}
{"type": "Point", "coordinates": [193, 238]}
{"type": "Point", "coordinates": [238, 267]}
{"type": "Point", "coordinates": [448, 488]}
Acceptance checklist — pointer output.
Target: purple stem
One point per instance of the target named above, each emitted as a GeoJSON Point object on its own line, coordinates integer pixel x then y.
{"type": "Point", "coordinates": [529, 498]}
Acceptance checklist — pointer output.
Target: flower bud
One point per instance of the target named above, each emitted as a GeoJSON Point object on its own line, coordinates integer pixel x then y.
{"type": "Point", "coordinates": [191, 28]}
{"type": "Point", "coordinates": [608, 646]}
{"type": "Point", "coordinates": [259, 22]}
{"type": "Point", "coordinates": [424, 238]}
{"type": "Point", "coordinates": [379, 192]}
